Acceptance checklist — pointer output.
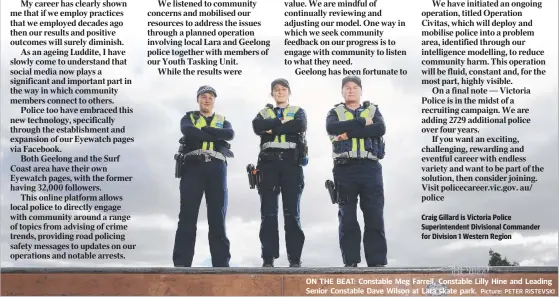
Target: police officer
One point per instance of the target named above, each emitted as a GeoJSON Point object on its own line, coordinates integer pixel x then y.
{"type": "Point", "coordinates": [204, 171]}
{"type": "Point", "coordinates": [282, 154]}
{"type": "Point", "coordinates": [355, 130]}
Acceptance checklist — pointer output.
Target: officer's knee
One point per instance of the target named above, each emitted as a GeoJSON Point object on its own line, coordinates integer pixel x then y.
{"type": "Point", "coordinates": [287, 215]}
{"type": "Point", "coordinates": [291, 211]}
{"type": "Point", "coordinates": [187, 227]}
{"type": "Point", "coordinates": [269, 215]}
{"type": "Point", "coordinates": [185, 217]}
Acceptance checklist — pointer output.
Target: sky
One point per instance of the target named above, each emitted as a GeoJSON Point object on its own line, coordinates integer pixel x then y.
{"type": "Point", "coordinates": [159, 102]}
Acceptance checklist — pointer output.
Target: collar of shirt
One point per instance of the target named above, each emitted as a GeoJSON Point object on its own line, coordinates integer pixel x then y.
{"type": "Point", "coordinates": [357, 110]}
{"type": "Point", "coordinates": [279, 111]}
{"type": "Point", "coordinates": [207, 118]}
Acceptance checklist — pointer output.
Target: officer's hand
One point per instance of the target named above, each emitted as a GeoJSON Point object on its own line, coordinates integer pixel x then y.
{"type": "Point", "coordinates": [283, 121]}
{"type": "Point", "coordinates": [269, 131]}
{"type": "Point", "coordinates": [341, 137]}
{"type": "Point", "coordinates": [368, 121]}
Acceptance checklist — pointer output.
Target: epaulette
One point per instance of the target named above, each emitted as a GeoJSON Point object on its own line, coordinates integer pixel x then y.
{"type": "Point", "coordinates": [194, 113]}
{"type": "Point", "coordinates": [338, 104]}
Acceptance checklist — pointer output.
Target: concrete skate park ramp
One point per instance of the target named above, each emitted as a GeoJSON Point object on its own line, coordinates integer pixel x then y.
{"type": "Point", "coordinates": [504, 281]}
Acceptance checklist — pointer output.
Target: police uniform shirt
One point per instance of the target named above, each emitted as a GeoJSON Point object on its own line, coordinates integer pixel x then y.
{"type": "Point", "coordinates": [279, 112]}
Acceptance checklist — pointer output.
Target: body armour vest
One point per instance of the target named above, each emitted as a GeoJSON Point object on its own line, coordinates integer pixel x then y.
{"type": "Point", "coordinates": [281, 141]}
{"type": "Point", "coordinates": [355, 147]}
{"type": "Point", "coordinates": [200, 122]}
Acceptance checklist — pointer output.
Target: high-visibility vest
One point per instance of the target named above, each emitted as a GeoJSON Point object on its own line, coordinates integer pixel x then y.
{"type": "Point", "coordinates": [208, 147]}
{"type": "Point", "coordinates": [353, 147]}
{"type": "Point", "coordinates": [279, 141]}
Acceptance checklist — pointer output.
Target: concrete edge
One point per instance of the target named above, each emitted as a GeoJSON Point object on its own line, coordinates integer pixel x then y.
{"type": "Point", "coordinates": [279, 270]}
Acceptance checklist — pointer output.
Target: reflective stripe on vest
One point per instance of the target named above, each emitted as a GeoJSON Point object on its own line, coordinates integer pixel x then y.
{"type": "Point", "coordinates": [357, 144]}
{"type": "Point", "coordinates": [213, 154]}
{"type": "Point", "coordinates": [279, 142]}
{"type": "Point", "coordinates": [217, 122]}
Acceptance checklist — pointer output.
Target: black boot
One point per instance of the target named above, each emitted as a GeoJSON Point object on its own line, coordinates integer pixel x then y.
{"type": "Point", "coordinates": [351, 265]}
{"type": "Point", "coordinates": [294, 264]}
{"type": "Point", "coordinates": [268, 263]}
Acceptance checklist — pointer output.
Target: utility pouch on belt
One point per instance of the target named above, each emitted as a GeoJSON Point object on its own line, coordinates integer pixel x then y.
{"type": "Point", "coordinates": [331, 187]}
{"type": "Point", "coordinates": [381, 148]}
{"type": "Point", "coordinates": [178, 165]}
{"type": "Point", "coordinates": [180, 157]}
{"type": "Point", "coordinates": [224, 144]}
{"type": "Point", "coordinates": [252, 176]}
{"type": "Point", "coordinates": [302, 152]}
{"type": "Point", "coordinates": [378, 142]}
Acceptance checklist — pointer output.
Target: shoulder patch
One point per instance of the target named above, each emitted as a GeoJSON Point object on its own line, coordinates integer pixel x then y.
{"type": "Point", "coordinates": [292, 110]}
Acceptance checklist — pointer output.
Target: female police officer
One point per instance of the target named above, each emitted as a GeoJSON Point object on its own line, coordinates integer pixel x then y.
{"type": "Point", "coordinates": [282, 154]}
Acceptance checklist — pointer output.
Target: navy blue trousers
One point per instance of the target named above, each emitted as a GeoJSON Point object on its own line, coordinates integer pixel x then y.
{"type": "Point", "coordinates": [363, 180]}
{"type": "Point", "coordinates": [286, 178]}
{"type": "Point", "coordinates": [199, 178]}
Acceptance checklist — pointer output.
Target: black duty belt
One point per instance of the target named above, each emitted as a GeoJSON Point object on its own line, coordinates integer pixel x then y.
{"type": "Point", "coordinates": [201, 158]}
{"type": "Point", "coordinates": [349, 161]}
{"type": "Point", "coordinates": [287, 155]}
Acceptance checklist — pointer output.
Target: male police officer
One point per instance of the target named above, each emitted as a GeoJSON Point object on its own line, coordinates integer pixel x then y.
{"type": "Point", "coordinates": [283, 153]}
{"type": "Point", "coordinates": [204, 170]}
{"type": "Point", "coordinates": [355, 131]}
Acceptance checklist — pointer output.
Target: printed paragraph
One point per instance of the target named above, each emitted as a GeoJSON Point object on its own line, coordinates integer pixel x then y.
{"type": "Point", "coordinates": [203, 37]}
{"type": "Point", "coordinates": [476, 57]}
{"type": "Point", "coordinates": [474, 70]}
{"type": "Point", "coordinates": [337, 37]}
{"type": "Point", "coordinates": [64, 89]}
{"type": "Point", "coordinates": [472, 226]}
